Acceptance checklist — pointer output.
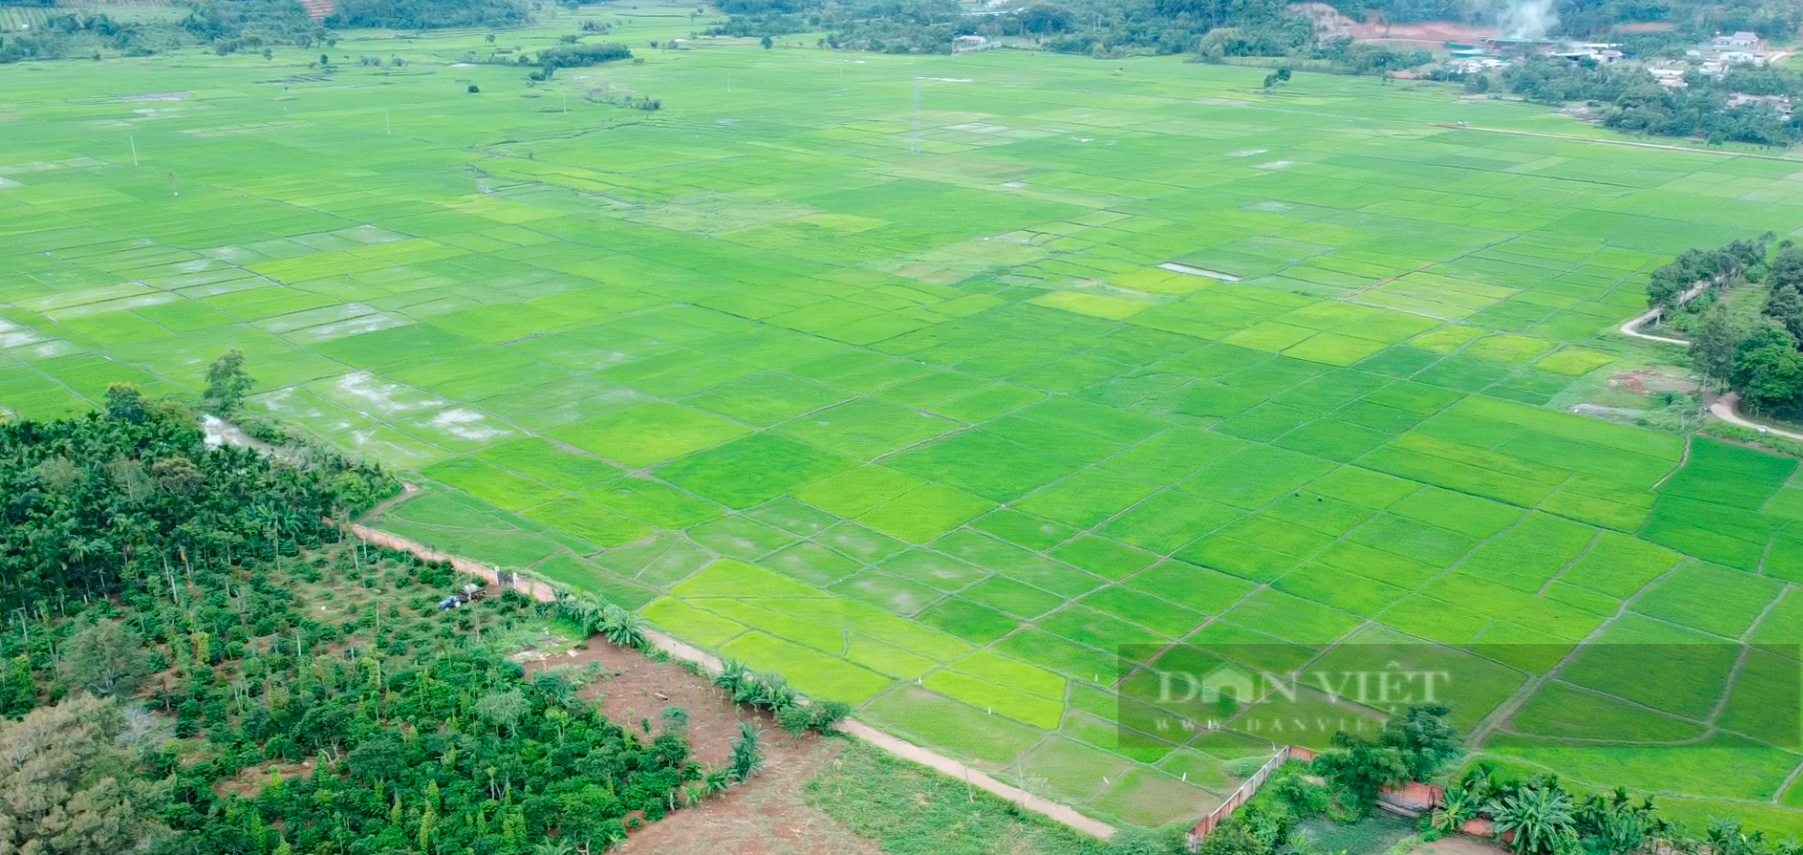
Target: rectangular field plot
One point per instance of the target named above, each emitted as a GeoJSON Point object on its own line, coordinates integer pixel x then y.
{"type": "Point", "coordinates": [1145, 357]}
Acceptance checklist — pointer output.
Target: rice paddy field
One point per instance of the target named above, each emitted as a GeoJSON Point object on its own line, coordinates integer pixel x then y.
{"type": "Point", "coordinates": [939, 384]}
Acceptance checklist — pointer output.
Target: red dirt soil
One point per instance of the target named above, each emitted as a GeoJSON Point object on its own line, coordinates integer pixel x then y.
{"type": "Point", "coordinates": [319, 10]}
{"type": "Point", "coordinates": [634, 689]}
{"type": "Point", "coordinates": [1432, 33]}
{"type": "Point", "coordinates": [768, 816]}
{"type": "Point", "coordinates": [250, 780]}
{"type": "Point", "coordinates": [1649, 381]}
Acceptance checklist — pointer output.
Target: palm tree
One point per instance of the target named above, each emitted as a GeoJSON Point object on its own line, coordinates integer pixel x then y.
{"type": "Point", "coordinates": [1539, 816]}
{"type": "Point", "coordinates": [553, 847]}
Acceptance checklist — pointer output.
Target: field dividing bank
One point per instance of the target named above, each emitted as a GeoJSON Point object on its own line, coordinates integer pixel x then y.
{"type": "Point", "coordinates": [928, 410]}
{"type": "Point", "coordinates": [681, 651]}
{"type": "Point", "coordinates": [1738, 151]}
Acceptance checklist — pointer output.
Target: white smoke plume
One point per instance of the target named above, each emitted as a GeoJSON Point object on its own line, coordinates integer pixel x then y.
{"type": "Point", "coordinates": [1527, 19]}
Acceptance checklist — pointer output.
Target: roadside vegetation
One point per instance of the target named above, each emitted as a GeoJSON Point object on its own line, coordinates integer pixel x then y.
{"type": "Point", "coordinates": [1741, 307]}
{"type": "Point", "coordinates": [1529, 814]}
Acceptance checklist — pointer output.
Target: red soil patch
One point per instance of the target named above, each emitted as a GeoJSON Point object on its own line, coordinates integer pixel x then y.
{"type": "Point", "coordinates": [1432, 33]}
{"type": "Point", "coordinates": [1651, 381]}
{"type": "Point", "coordinates": [636, 689]}
{"type": "Point", "coordinates": [770, 816]}
{"type": "Point", "coordinates": [767, 816]}
{"type": "Point", "coordinates": [1330, 23]}
{"type": "Point", "coordinates": [251, 780]}
{"type": "Point", "coordinates": [319, 10]}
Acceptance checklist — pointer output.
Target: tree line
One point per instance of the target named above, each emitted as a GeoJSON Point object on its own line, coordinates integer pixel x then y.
{"type": "Point", "coordinates": [1749, 342]}
{"type": "Point", "coordinates": [1212, 29]}
{"type": "Point", "coordinates": [80, 35]}
{"type": "Point", "coordinates": [1632, 101]}
{"type": "Point", "coordinates": [230, 26]}
{"type": "Point", "coordinates": [429, 14]}
{"type": "Point", "coordinates": [1260, 27]}
{"type": "Point", "coordinates": [1672, 286]}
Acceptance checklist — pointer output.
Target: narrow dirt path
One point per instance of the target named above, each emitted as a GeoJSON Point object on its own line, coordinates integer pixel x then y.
{"type": "Point", "coordinates": [977, 778]}
{"type": "Point", "coordinates": [684, 651]}
{"type": "Point", "coordinates": [1727, 408]}
{"type": "Point", "coordinates": [1632, 326]}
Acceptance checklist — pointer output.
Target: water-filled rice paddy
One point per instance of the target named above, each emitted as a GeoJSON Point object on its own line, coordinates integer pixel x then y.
{"type": "Point", "coordinates": [1130, 353]}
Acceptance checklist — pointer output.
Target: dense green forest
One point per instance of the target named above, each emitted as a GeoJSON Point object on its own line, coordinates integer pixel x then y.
{"type": "Point", "coordinates": [85, 35]}
{"type": "Point", "coordinates": [196, 665]}
{"type": "Point", "coordinates": [114, 503]}
{"type": "Point", "coordinates": [428, 14]}
{"type": "Point", "coordinates": [228, 26]}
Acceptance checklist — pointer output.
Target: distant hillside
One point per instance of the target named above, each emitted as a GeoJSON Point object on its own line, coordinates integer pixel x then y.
{"type": "Point", "coordinates": [1232, 27]}
{"type": "Point", "coordinates": [428, 14]}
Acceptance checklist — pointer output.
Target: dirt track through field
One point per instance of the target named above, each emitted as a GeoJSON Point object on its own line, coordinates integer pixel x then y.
{"type": "Point", "coordinates": [680, 650]}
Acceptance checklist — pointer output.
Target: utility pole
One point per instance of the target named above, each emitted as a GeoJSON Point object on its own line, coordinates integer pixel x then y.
{"type": "Point", "coordinates": [914, 139]}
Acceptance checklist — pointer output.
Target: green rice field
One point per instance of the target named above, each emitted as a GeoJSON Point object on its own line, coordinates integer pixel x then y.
{"type": "Point", "coordinates": [940, 411]}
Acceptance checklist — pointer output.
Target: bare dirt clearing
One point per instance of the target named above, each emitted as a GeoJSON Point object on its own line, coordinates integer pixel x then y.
{"type": "Point", "coordinates": [634, 690]}
{"type": "Point", "coordinates": [1458, 844]}
{"type": "Point", "coordinates": [767, 816]}
{"type": "Point", "coordinates": [770, 816]}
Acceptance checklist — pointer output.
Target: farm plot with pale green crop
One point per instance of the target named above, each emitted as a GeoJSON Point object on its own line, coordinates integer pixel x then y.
{"type": "Point", "coordinates": [967, 414]}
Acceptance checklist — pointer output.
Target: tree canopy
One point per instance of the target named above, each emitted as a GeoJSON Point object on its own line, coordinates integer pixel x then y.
{"type": "Point", "coordinates": [69, 783]}
{"type": "Point", "coordinates": [1631, 100]}
{"type": "Point", "coordinates": [110, 502]}
{"type": "Point", "coordinates": [203, 625]}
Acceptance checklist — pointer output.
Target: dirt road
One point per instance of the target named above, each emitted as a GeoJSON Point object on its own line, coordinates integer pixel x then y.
{"type": "Point", "coordinates": [680, 650]}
